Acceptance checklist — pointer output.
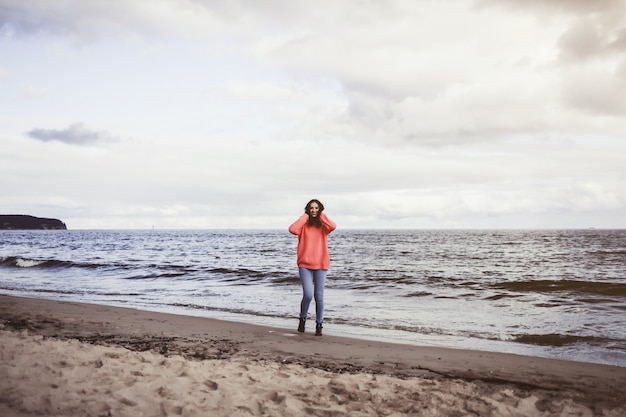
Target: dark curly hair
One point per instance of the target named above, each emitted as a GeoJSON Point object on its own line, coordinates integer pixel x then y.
{"type": "Point", "coordinates": [314, 221]}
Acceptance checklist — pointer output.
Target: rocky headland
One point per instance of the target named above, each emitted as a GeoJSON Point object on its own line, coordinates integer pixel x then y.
{"type": "Point", "coordinates": [25, 222]}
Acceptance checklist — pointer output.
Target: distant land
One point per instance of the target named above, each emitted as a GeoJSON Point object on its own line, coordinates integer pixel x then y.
{"type": "Point", "coordinates": [24, 222]}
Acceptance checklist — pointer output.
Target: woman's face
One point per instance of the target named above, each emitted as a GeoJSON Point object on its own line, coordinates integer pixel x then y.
{"type": "Point", "coordinates": [314, 209]}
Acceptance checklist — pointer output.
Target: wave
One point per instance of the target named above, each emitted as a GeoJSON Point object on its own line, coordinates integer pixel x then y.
{"type": "Point", "coordinates": [234, 276]}
{"type": "Point", "coordinates": [244, 276]}
{"type": "Point", "coordinates": [151, 271]}
{"type": "Point", "coordinates": [17, 262]}
{"type": "Point", "coordinates": [609, 252]}
{"type": "Point", "coordinates": [234, 310]}
{"type": "Point", "coordinates": [418, 294]}
{"type": "Point", "coordinates": [559, 340]}
{"type": "Point", "coordinates": [12, 289]}
{"type": "Point", "coordinates": [501, 296]}
{"type": "Point", "coordinates": [548, 340]}
{"type": "Point", "coordinates": [155, 275]}
{"type": "Point", "coordinates": [572, 286]}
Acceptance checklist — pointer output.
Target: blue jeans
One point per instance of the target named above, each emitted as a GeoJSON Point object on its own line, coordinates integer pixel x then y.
{"type": "Point", "coordinates": [312, 281]}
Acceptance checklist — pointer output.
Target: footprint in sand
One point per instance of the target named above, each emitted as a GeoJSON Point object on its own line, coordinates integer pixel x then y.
{"type": "Point", "coordinates": [212, 385]}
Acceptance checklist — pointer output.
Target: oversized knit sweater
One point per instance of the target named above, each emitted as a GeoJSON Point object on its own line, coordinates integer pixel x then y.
{"type": "Point", "coordinates": [313, 242]}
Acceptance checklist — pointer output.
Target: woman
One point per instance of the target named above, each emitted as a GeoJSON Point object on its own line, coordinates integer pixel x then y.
{"type": "Point", "coordinates": [312, 229]}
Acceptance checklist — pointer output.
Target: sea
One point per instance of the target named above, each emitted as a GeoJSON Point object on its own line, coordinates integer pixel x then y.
{"type": "Point", "coordinates": [546, 293]}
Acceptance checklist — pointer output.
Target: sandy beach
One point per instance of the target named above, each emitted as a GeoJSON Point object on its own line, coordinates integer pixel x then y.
{"type": "Point", "coordinates": [71, 359]}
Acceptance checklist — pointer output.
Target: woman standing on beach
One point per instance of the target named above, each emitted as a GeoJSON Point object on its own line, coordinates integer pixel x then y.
{"type": "Point", "coordinates": [312, 229]}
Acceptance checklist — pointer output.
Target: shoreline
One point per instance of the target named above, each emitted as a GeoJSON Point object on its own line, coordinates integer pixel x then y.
{"type": "Point", "coordinates": [595, 387]}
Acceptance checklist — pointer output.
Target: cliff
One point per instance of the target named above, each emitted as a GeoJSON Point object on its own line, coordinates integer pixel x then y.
{"type": "Point", "coordinates": [24, 222]}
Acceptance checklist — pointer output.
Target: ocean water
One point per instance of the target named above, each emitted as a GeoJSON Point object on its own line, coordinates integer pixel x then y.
{"type": "Point", "coordinates": [549, 293]}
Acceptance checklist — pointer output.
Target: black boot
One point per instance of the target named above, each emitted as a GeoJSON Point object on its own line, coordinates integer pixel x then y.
{"type": "Point", "coordinates": [301, 325]}
{"type": "Point", "coordinates": [318, 329]}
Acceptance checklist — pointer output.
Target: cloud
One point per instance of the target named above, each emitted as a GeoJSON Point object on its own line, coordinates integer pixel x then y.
{"type": "Point", "coordinates": [419, 73]}
{"type": "Point", "coordinates": [411, 113]}
{"type": "Point", "coordinates": [596, 90]}
{"type": "Point", "coordinates": [595, 29]}
{"type": "Point", "coordinates": [89, 21]}
{"type": "Point", "coordinates": [30, 92]}
{"type": "Point", "coordinates": [591, 38]}
{"type": "Point", "coordinates": [75, 134]}
{"type": "Point", "coordinates": [593, 62]}
{"type": "Point", "coordinates": [572, 7]}
{"type": "Point", "coordinates": [446, 73]}
{"type": "Point", "coordinates": [591, 52]}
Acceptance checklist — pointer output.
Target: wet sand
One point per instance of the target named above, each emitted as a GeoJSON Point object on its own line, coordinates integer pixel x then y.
{"type": "Point", "coordinates": [72, 359]}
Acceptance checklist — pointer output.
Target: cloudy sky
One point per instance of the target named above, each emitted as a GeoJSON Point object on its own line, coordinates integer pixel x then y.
{"type": "Point", "coordinates": [234, 113]}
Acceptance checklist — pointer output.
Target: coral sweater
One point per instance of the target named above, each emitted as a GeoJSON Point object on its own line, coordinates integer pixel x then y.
{"type": "Point", "coordinates": [313, 242]}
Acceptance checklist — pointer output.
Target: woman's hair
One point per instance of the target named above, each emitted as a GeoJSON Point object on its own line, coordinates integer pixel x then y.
{"type": "Point", "coordinates": [314, 221]}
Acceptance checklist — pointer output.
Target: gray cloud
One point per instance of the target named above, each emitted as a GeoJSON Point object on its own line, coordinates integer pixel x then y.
{"type": "Point", "coordinates": [594, 37]}
{"type": "Point", "coordinates": [89, 21]}
{"type": "Point", "coordinates": [17, 19]}
{"type": "Point", "coordinates": [595, 90]}
{"type": "Point", "coordinates": [597, 28]}
{"type": "Point", "coordinates": [592, 54]}
{"type": "Point", "coordinates": [554, 6]}
{"type": "Point", "coordinates": [589, 62]}
{"type": "Point", "coordinates": [75, 134]}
